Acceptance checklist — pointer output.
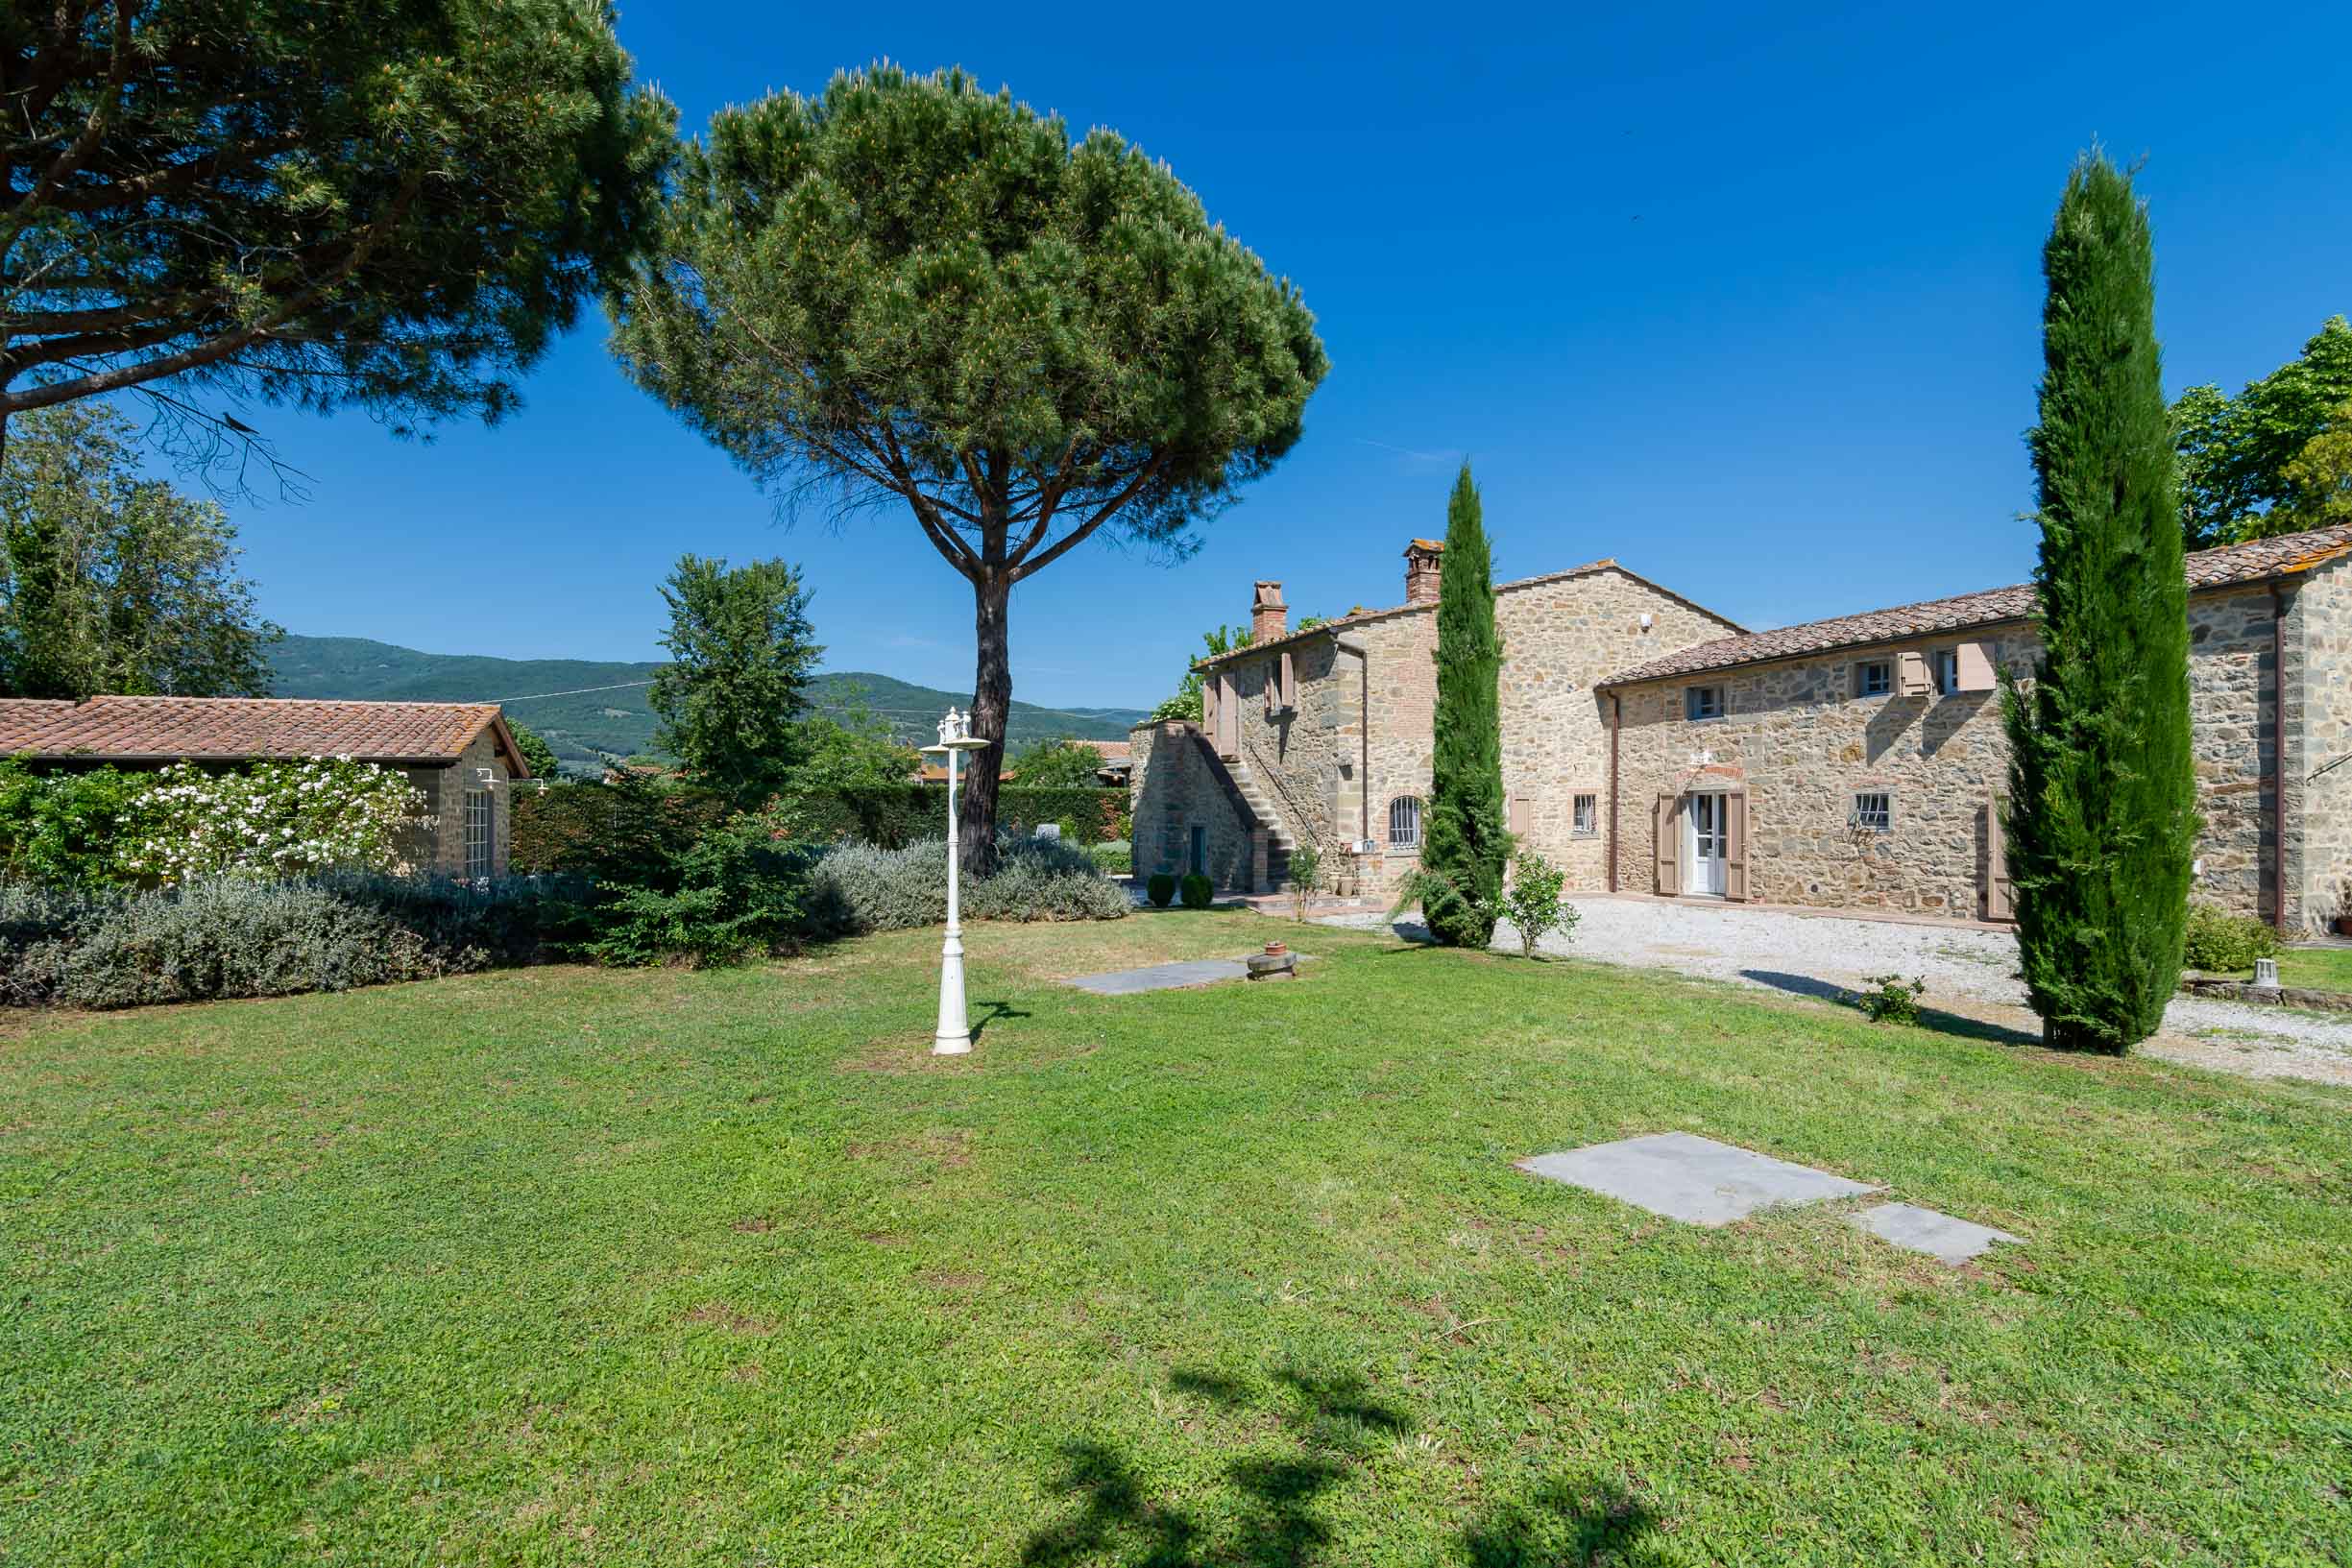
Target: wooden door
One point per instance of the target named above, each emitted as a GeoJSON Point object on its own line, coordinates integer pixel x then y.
{"type": "Point", "coordinates": [1999, 896]}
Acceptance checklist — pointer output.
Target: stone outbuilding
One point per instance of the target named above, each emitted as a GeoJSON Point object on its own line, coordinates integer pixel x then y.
{"type": "Point", "coordinates": [461, 755]}
{"type": "Point", "coordinates": [1651, 745]}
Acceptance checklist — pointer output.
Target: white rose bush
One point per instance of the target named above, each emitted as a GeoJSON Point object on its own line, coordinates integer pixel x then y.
{"type": "Point", "coordinates": [272, 819]}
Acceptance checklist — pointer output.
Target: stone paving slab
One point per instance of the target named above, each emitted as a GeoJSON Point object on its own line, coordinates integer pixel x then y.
{"type": "Point", "coordinates": [1924, 1230]}
{"type": "Point", "coordinates": [1126, 982]}
{"type": "Point", "coordinates": [1691, 1178]}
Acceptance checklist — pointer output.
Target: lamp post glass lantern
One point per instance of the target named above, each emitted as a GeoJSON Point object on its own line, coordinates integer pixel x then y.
{"type": "Point", "coordinates": [953, 1036]}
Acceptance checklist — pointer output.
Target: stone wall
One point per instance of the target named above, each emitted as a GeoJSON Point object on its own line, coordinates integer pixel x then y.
{"type": "Point", "coordinates": [1797, 741]}
{"type": "Point", "coordinates": [1560, 634]}
{"type": "Point", "coordinates": [2320, 668]}
{"type": "Point", "coordinates": [442, 848]}
{"type": "Point", "coordinates": [1173, 788]}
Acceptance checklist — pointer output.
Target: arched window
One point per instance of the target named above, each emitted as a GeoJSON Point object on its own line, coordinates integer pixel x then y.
{"type": "Point", "coordinates": [1405, 823]}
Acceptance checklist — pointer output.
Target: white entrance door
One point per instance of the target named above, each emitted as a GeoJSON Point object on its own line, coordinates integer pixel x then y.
{"type": "Point", "coordinates": [1704, 822]}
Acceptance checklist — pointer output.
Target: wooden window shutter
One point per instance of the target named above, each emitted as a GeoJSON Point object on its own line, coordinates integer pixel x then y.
{"type": "Point", "coordinates": [1520, 815]}
{"type": "Point", "coordinates": [1208, 707]}
{"type": "Point", "coordinates": [1273, 686]}
{"type": "Point", "coordinates": [1976, 667]}
{"type": "Point", "coordinates": [1736, 847]}
{"type": "Point", "coordinates": [1667, 839]}
{"type": "Point", "coordinates": [1999, 895]}
{"type": "Point", "coordinates": [1911, 675]}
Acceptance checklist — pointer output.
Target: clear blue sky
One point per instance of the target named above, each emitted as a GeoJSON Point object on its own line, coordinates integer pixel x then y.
{"type": "Point", "coordinates": [1749, 305]}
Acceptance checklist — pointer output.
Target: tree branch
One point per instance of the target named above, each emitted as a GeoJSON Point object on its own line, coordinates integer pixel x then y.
{"type": "Point", "coordinates": [1063, 545]}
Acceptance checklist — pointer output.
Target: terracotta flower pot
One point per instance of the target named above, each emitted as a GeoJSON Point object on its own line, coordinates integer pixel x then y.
{"type": "Point", "coordinates": [1275, 949]}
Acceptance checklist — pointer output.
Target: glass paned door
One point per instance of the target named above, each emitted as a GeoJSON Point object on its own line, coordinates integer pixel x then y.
{"type": "Point", "coordinates": [1704, 814]}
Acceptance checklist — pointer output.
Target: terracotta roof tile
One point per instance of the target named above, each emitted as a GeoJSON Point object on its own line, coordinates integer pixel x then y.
{"type": "Point", "coordinates": [219, 729]}
{"type": "Point", "coordinates": [2253, 561]}
{"type": "Point", "coordinates": [1359, 615]}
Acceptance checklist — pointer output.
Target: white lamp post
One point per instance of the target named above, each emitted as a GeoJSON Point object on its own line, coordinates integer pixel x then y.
{"type": "Point", "coordinates": [953, 1036]}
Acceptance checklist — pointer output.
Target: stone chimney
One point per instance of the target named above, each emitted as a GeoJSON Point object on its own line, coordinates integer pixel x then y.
{"type": "Point", "coordinates": [1268, 617]}
{"type": "Point", "coordinates": [1424, 560]}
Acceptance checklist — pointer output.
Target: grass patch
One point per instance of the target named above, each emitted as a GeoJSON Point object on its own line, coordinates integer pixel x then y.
{"type": "Point", "coordinates": [560, 1265]}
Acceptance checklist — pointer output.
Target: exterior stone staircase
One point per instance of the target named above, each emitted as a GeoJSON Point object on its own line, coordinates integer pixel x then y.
{"type": "Point", "coordinates": [1258, 813]}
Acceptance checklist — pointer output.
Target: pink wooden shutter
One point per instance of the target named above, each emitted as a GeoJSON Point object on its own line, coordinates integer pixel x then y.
{"type": "Point", "coordinates": [1976, 667]}
{"type": "Point", "coordinates": [1911, 675]}
{"type": "Point", "coordinates": [1736, 847]}
{"type": "Point", "coordinates": [1290, 682]}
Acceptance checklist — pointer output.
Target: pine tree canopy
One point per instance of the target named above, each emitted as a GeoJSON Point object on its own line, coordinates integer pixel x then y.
{"type": "Point", "coordinates": [909, 293]}
{"type": "Point", "coordinates": [1465, 842]}
{"type": "Point", "coordinates": [2102, 819]}
{"type": "Point", "coordinates": [392, 203]}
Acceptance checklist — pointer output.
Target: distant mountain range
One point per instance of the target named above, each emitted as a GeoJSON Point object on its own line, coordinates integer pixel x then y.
{"type": "Point", "coordinates": [590, 709]}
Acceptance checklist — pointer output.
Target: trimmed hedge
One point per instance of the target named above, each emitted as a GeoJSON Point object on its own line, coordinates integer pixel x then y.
{"type": "Point", "coordinates": [618, 829]}
{"type": "Point", "coordinates": [243, 937]}
{"type": "Point", "coordinates": [861, 887]}
{"type": "Point", "coordinates": [896, 815]}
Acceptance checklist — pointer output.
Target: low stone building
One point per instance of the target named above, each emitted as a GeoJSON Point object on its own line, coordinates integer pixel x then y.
{"type": "Point", "coordinates": [1651, 745]}
{"type": "Point", "coordinates": [461, 755]}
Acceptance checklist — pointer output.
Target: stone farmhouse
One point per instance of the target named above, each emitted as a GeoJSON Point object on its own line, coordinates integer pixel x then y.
{"type": "Point", "coordinates": [461, 755]}
{"type": "Point", "coordinates": [1652, 746]}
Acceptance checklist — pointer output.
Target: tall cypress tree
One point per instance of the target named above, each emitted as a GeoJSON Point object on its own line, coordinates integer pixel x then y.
{"type": "Point", "coordinates": [1464, 843]}
{"type": "Point", "coordinates": [2102, 803]}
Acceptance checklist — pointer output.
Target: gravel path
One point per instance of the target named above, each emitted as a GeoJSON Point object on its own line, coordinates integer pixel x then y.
{"type": "Point", "coordinates": [1968, 971]}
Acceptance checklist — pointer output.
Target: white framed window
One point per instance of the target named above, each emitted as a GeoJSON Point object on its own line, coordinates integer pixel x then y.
{"type": "Point", "coordinates": [481, 824]}
{"type": "Point", "coordinates": [1947, 671]}
{"type": "Point", "coordinates": [1405, 823]}
{"type": "Point", "coordinates": [1586, 820]}
{"type": "Point", "coordinates": [1703, 702]}
{"type": "Point", "coordinates": [1874, 810]}
{"type": "Point", "coordinates": [1874, 678]}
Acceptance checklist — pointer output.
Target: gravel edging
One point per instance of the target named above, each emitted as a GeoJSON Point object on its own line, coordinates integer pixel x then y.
{"type": "Point", "coordinates": [1828, 957]}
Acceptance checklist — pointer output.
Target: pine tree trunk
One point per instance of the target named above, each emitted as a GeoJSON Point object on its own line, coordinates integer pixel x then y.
{"type": "Point", "coordinates": [991, 705]}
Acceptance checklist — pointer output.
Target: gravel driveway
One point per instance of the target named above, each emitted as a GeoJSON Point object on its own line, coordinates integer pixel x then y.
{"type": "Point", "coordinates": [1970, 971]}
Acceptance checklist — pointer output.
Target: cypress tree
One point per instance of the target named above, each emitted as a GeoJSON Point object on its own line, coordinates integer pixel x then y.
{"type": "Point", "coordinates": [2102, 805]}
{"type": "Point", "coordinates": [1464, 844]}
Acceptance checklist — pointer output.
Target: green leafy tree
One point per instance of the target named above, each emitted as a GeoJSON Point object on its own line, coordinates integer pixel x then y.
{"type": "Point", "coordinates": [909, 293]}
{"type": "Point", "coordinates": [1464, 844]}
{"type": "Point", "coordinates": [1056, 764]}
{"type": "Point", "coordinates": [2234, 452]}
{"type": "Point", "coordinates": [2102, 796]}
{"type": "Point", "coordinates": [742, 654]}
{"type": "Point", "coordinates": [537, 755]}
{"type": "Point", "coordinates": [1534, 903]}
{"type": "Point", "coordinates": [2320, 478]}
{"type": "Point", "coordinates": [392, 203]}
{"type": "Point", "coordinates": [851, 747]}
{"type": "Point", "coordinates": [114, 583]}
{"type": "Point", "coordinates": [1188, 703]}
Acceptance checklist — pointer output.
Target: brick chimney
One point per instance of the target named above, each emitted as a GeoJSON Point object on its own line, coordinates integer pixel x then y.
{"type": "Point", "coordinates": [1424, 560]}
{"type": "Point", "coordinates": [1268, 617]}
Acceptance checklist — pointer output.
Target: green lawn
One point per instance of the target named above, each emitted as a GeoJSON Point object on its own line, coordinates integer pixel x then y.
{"type": "Point", "coordinates": [569, 1266]}
{"type": "Point", "coordinates": [2316, 969]}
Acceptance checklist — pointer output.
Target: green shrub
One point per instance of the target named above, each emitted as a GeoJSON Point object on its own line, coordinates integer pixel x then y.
{"type": "Point", "coordinates": [64, 829]}
{"type": "Point", "coordinates": [1197, 891]}
{"type": "Point", "coordinates": [237, 936]}
{"type": "Point", "coordinates": [1115, 858]}
{"type": "Point", "coordinates": [1307, 877]}
{"type": "Point", "coordinates": [1891, 998]}
{"type": "Point", "coordinates": [866, 887]}
{"type": "Point", "coordinates": [1533, 904]}
{"type": "Point", "coordinates": [738, 893]}
{"type": "Point", "coordinates": [2222, 943]}
{"type": "Point", "coordinates": [1160, 888]}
